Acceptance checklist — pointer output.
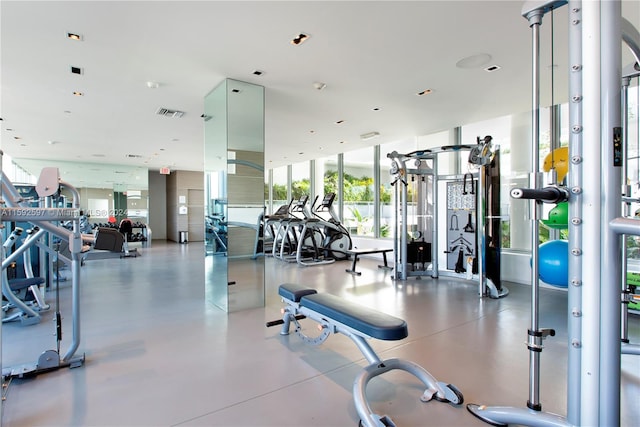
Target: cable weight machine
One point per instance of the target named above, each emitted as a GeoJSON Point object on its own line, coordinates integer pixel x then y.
{"type": "Point", "coordinates": [596, 30]}
{"type": "Point", "coordinates": [472, 245]}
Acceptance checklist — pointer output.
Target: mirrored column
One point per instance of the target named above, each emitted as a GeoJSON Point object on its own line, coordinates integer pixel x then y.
{"type": "Point", "coordinates": [234, 192]}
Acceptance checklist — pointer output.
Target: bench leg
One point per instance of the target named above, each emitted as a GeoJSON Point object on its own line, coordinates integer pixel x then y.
{"type": "Point", "coordinates": [435, 390]}
{"type": "Point", "coordinates": [353, 267]}
{"type": "Point", "coordinates": [286, 323]}
{"type": "Point", "coordinates": [386, 265]}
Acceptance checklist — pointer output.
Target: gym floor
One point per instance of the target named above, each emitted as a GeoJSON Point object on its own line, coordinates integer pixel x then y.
{"type": "Point", "coordinates": [158, 355]}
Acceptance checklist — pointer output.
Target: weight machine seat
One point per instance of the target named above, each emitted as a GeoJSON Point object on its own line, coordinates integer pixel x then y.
{"type": "Point", "coordinates": [109, 239]}
{"type": "Point", "coordinates": [365, 320]}
{"type": "Point", "coordinates": [23, 283]}
{"type": "Point", "coordinates": [126, 226]}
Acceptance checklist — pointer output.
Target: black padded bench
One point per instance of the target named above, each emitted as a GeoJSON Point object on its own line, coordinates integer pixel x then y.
{"type": "Point", "coordinates": [22, 283]}
{"type": "Point", "coordinates": [367, 321]}
{"type": "Point", "coordinates": [358, 252]}
{"type": "Point", "coordinates": [359, 323]}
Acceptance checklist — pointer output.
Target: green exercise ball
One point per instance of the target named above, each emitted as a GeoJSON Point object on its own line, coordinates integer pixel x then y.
{"type": "Point", "coordinates": [558, 217]}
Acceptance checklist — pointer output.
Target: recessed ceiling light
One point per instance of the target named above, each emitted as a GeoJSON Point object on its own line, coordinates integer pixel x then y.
{"type": "Point", "coordinates": [153, 85]}
{"type": "Point", "coordinates": [166, 112]}
{"type": "Point", "coordinates": [369, 135]}
{"type": "Point", "coordinates": [17, 137]}
{"type": "Point", "coordinates": [319, 85]}
{"type": "Point", "coordinates": [492, 68]}
{"type": "Point", "coordinates": [299, 39]}
{"type": "Point", "coordinates": [339, 122]}
{"type": "Point", "coordinates": [257, 73]}
{"type": "Point", "coordinates": [76, 70]}
{"type": "Point", "coordinates": [235, 90]}
{"type": "Point", "coordinates": [425, 92]}
{"type": "Point", "coordinates": [74, 36]}
{"type": "Point", "coordinates": [376, 108]}
{"type": "Point", "coordinates": [76, 93]}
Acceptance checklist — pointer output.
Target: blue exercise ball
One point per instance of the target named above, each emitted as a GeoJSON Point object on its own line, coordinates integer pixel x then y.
{"type": "Point", "coordinates": [553, 263]}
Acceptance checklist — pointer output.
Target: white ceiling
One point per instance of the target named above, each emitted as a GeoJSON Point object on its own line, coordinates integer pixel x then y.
{"type": "Point", "coordinates": [370, 54]}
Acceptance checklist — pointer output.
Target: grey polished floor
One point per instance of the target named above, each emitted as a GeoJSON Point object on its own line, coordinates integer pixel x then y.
{"type": "Point", "coordinates": [158, 355]}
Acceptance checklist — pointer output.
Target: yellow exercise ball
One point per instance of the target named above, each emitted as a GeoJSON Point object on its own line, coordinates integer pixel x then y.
{"type": "Point", "coordinates": [558, 159]}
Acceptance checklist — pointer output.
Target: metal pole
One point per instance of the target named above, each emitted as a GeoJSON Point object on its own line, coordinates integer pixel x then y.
{"type": "Point", "coordinates": [481, 229]}
{"type": "Point", "coordinates": [591, 202]}
{"type": "Point", "coordinates": [574, 297]}
{"type": "Point", "coordinates": [535, 340]}
{"type": "Point", "coordinates": [624, 103]}
{"type": "Point", "coordinates": [403, 232]}
{"type": "Point", "coordinates": [611, 268]}
{"type": "Point", "coordinates": [340, 187]}
{"type": "Point", "coordinates": [396, 229]}
{"type": "Point", "coordinates": [377, 213]}
{"type": "Point", "coordinates": [434, 239]}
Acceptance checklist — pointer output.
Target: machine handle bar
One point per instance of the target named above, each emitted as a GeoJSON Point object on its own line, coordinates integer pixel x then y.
{"type": "Point", "coordinates": [547, 194]}
{"type": "Point", "coordinates": [280, 321]}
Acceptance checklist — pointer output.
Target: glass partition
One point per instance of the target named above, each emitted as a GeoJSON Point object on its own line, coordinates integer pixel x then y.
{"type": "Point", "coordinates": [234, 191]}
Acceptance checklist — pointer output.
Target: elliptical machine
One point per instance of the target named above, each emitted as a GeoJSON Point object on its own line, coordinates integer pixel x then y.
{"type": "Point", "coordinates": [325, 239]}
{"type": "Point", "coordinates": [337, 240]}
{"type": "Point", "coordinates": [286, 240]}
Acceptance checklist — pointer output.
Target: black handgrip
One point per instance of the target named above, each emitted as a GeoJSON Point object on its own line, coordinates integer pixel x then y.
{"type": "Point", "coordinates": [58, 327]}
{"type": "Point", "coordinates": [274, 323]}
{"type": "Point", "coordinates": [281, 321]}
{"type": "Point", "coordinates": [547, 194]}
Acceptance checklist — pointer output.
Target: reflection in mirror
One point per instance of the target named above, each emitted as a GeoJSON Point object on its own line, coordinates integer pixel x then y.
{"type": "Point", "coordinates": [234, 191]}
{"type": "Point", "coordinates": [105, 190]}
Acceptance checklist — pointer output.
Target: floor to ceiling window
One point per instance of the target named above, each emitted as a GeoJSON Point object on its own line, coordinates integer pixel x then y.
{"type": "Point", "coordinates": [359, 210]}
{"type": "Point", "coordinates": [326, 178]}
{"type": "Point", "coordinates": [279, 187]}
{"type": "Point", "coordinates": [300, 180]}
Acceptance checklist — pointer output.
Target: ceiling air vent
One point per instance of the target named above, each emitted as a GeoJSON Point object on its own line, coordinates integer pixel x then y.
{"type": "Point", "coordinates": [169, 113]}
